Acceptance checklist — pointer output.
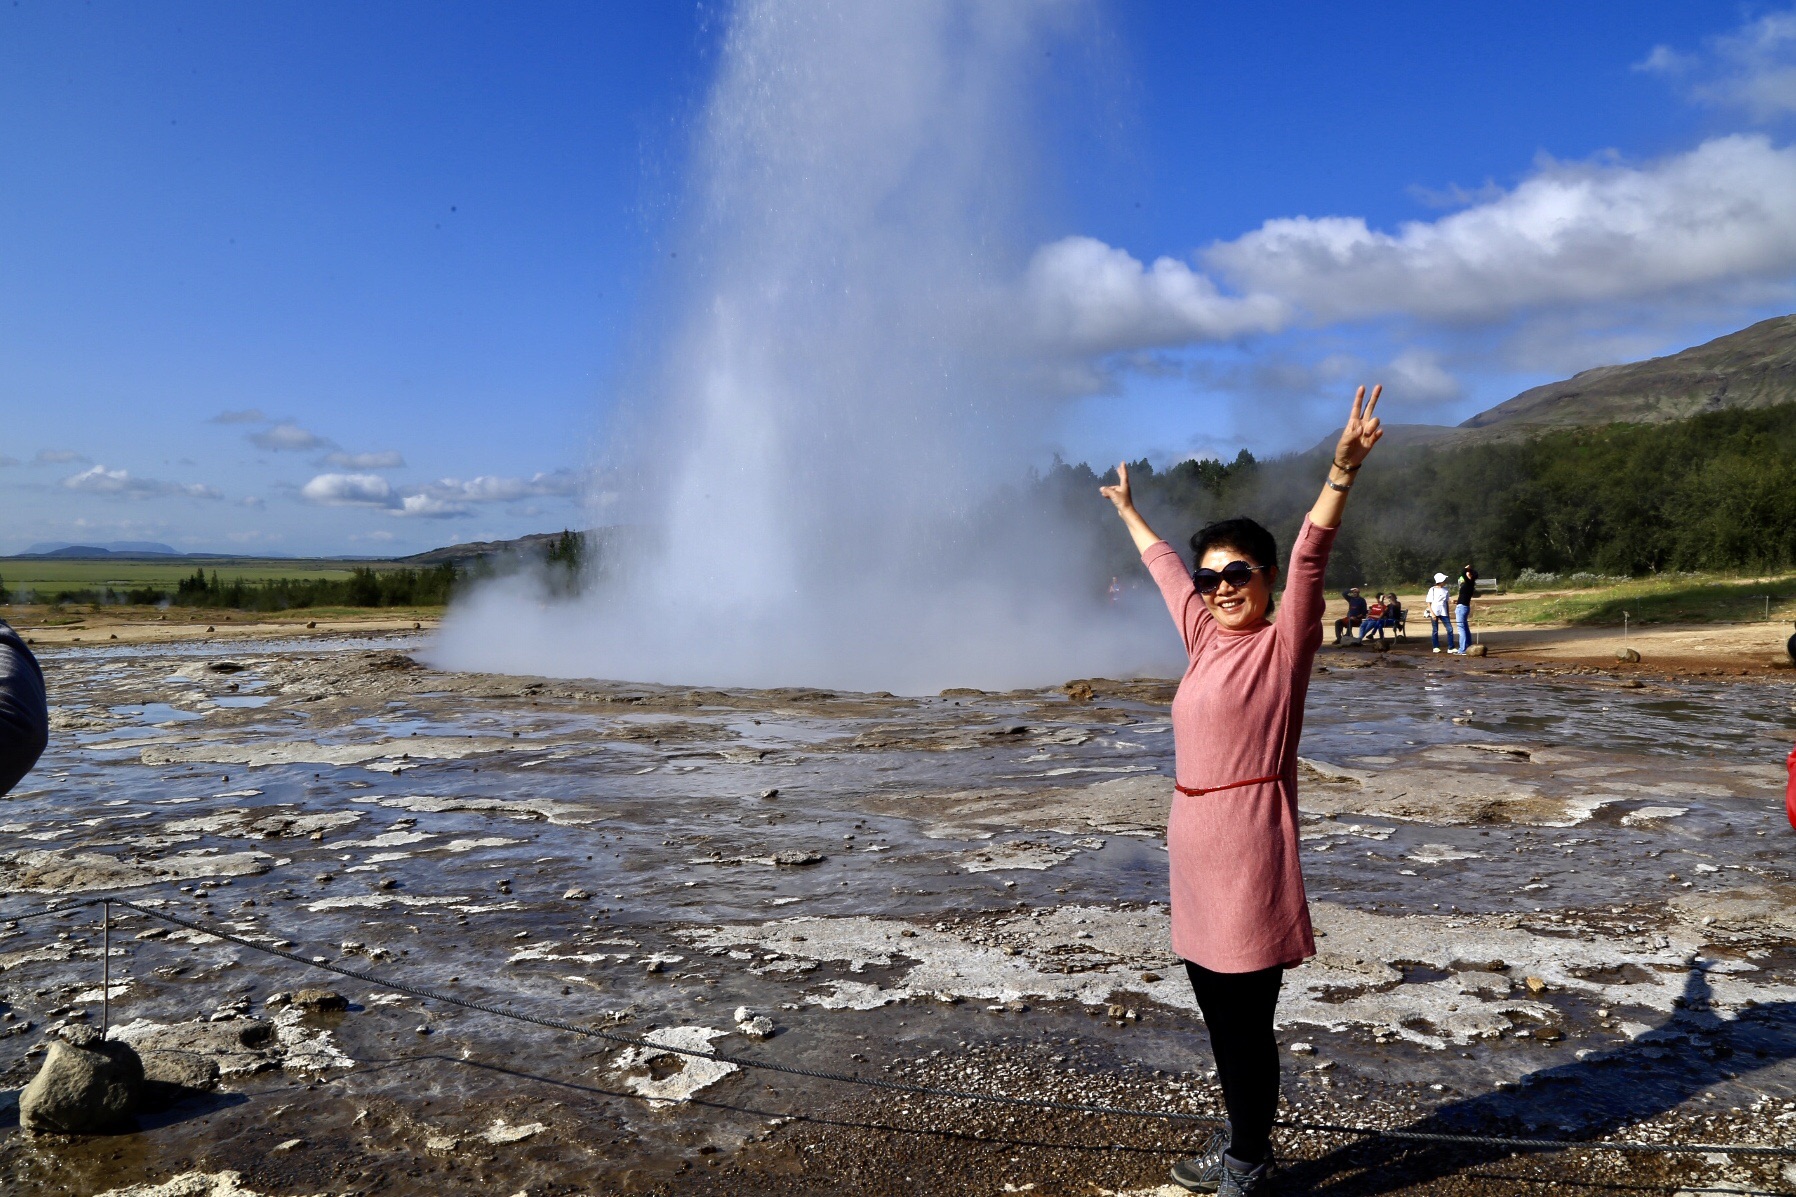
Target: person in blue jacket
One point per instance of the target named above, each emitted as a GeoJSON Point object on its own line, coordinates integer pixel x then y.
{"type": "Point", "coordinates": [1356, 611]}
{"type": "Point", "coordinates": [24, 709]}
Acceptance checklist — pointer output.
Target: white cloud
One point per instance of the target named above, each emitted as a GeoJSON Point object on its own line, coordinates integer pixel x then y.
{"type": "Point", "coordinates": [8, 461]}
{"type": "Point", "coordinates": [1278, 376]}
{"type": "Point", "coordinates": [365, 461]}
{"type": "Point", "coordinates": [57, 457]}
{"type": "Point", "coordinates": [250, 415]}
{"type": "Point", "coordinates": [488, 488]}
{"type": "Point", "coordinates": [99, 480]}
{"type": "Point", "coordinates": [1753, 68]}
{"type": "Point", "coordinates": [349, 490]}
{"type": "Point", "coordinates": [446, 498]}
{"type": "Point", "coordinates": [1722, 215]}
{"type": "Point", "coordinates": [288, 437]}
{"type": "Point", "coordinates": [1592, 244]}
{"type": "Point", "coordinates": [1086, 297]}
{"type": "Point", "coordinates": [1417, 376]}
{"type": "Point", "coordinates": [255, 502]}
{"type": "Point", "coordinates": [429, 507]}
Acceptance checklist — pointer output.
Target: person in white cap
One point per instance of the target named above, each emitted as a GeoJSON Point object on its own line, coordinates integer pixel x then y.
{"type": "Point", "coordinates": [1438, 615]}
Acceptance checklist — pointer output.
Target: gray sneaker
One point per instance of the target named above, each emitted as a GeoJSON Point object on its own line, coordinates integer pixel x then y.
{"type": "Point", "coordinates": [1203, 1174]}
{"type": "Point", "coordinates": [1236, 1183]}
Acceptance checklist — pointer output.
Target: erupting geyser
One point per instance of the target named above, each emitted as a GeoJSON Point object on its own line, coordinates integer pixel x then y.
{"type": "Point", "coordinates": [813, 470]}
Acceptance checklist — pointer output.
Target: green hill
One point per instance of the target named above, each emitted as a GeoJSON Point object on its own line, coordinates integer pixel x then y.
{"type": "Point", "coordinates": [1752, 368]}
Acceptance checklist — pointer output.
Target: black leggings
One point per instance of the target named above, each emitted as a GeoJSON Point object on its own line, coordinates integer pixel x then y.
{"type": "Point", "coordinates": [1238, 1009]}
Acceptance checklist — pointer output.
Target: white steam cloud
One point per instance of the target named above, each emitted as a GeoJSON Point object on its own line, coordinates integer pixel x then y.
{"type": "Point", "coordinates": [843, 388]}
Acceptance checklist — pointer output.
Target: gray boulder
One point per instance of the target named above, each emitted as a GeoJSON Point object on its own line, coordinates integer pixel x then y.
{"type": "Point", "coordinates": [88, 1085]}
{"type": "Point", "coordinates": [180, 1070]}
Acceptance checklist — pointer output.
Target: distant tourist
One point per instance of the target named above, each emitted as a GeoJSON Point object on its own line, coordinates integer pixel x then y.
{"type": "Point", "coordinates": [24, 711]}
{"type": "Point", "coordinates": [1239, 913]}
{"type": "Point", "coordinates": [1384, 615]}
{"type": "Point", "coordinates": [1790, 763]}
{"type": "Point", "coordinates": [1356, 613]}
{"type": "Point", "coordinates": [1462, 607]}
{"type": "Point", "coordinates": [1439, 618]}
{"type": "Point", "coordinates": [1115, 590]}
{"type": "Point", "coordinates": [1373, 623]}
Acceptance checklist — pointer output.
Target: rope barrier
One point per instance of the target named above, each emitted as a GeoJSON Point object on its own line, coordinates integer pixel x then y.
{"type": "Point", "coordinates": [1040, 1103]}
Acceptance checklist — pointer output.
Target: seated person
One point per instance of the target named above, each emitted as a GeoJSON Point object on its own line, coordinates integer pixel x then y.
{"type": "Point", "coordinates": [1356, 611]}
{"type": "Point", "coordinates": [1395, 617]}
{"type": "Point", "coordinates": [24, 713]}
{"type": "Point", "coordinates": [1373, 624]}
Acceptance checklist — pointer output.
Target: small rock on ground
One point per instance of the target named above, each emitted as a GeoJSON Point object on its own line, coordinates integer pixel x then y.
{"type": "Point", "coordinates": [321, 1000]}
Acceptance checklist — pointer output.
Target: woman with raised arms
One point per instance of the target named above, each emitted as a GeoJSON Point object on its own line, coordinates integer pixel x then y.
{"type": "Point", "coordinates": [1239, 913]}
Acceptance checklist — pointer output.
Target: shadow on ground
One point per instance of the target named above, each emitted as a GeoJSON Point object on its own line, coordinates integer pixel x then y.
{"type": "Point", "coordinates": [1588, 1099]}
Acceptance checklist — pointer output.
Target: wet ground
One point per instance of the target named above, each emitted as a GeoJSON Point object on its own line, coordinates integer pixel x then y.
{"type": "Point", "coordinates": [1553, 903]}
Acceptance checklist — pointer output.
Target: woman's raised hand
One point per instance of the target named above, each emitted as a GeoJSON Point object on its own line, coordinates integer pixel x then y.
{"type": "Point", "coordinates": [1144, 536]}
{"type": "Point", "coordinates": [1362, 431]}
{"type": "Point", "coordinates": [1120, 494]}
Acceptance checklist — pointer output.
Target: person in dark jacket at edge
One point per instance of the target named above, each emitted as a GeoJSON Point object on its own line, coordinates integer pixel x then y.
{"type": "Point", "coordinates": [1356, 613]}
{"type": "Point", "coordinates": [24, 709]}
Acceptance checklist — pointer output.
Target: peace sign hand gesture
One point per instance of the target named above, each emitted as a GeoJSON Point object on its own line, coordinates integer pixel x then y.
{"type": "Point", "coordinates": [1362, 432]}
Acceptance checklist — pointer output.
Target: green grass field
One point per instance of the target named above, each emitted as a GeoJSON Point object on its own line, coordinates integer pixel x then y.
{"type": "Point", "coordinates": [58, 574]}
{"type": "Point", "coordinates": [1678, 599]}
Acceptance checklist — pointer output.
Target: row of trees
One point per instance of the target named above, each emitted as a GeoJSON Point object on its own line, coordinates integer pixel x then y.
{"type": "Point", "coordinates": [564, 561]}
{"type": "Point", "coordinates": [1715, 492]}
{"type": "Point", "coordinates": [365, 587]}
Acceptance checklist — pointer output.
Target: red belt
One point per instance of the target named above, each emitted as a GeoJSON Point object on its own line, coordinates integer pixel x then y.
{"type": "Point", "coordinates": [1233, 785]}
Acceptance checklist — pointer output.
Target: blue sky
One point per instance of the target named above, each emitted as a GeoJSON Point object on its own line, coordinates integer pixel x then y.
{"type": "Point", "coordinates": [363, 278]}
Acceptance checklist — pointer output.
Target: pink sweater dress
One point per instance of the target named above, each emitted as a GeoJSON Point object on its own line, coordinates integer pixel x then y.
{"type": "Point", "coordinates": [1238, 903]}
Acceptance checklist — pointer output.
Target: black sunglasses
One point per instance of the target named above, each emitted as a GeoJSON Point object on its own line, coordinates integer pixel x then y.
{"type": "Point", "coordinates": [1235, 573]}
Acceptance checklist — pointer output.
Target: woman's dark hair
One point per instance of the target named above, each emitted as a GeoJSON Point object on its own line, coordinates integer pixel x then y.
{"type": "Point", "coordinates": [1242, 535]}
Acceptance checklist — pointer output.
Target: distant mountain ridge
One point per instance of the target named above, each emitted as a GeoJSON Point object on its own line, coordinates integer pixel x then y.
{"type": "Point", "coordinates": [597, 540]}
{"type": "Point", "coordinates": [1752, 368]}
{"type": "Point", "coordinates": [112, 548]}
{"type": "Point", "coordinates": [535, 542]}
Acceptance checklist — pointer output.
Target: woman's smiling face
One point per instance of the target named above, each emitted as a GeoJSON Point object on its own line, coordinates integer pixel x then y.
{"type": "Point", "coordinates": [1238, 609]}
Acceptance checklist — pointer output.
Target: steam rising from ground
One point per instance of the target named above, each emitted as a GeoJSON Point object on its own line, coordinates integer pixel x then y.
{"type": "Point", "coordinates": [814, 474]}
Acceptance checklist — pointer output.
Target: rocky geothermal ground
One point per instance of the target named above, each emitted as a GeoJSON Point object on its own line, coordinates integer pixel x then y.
{"type": "Point", "coordinates": [1553, 903]}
